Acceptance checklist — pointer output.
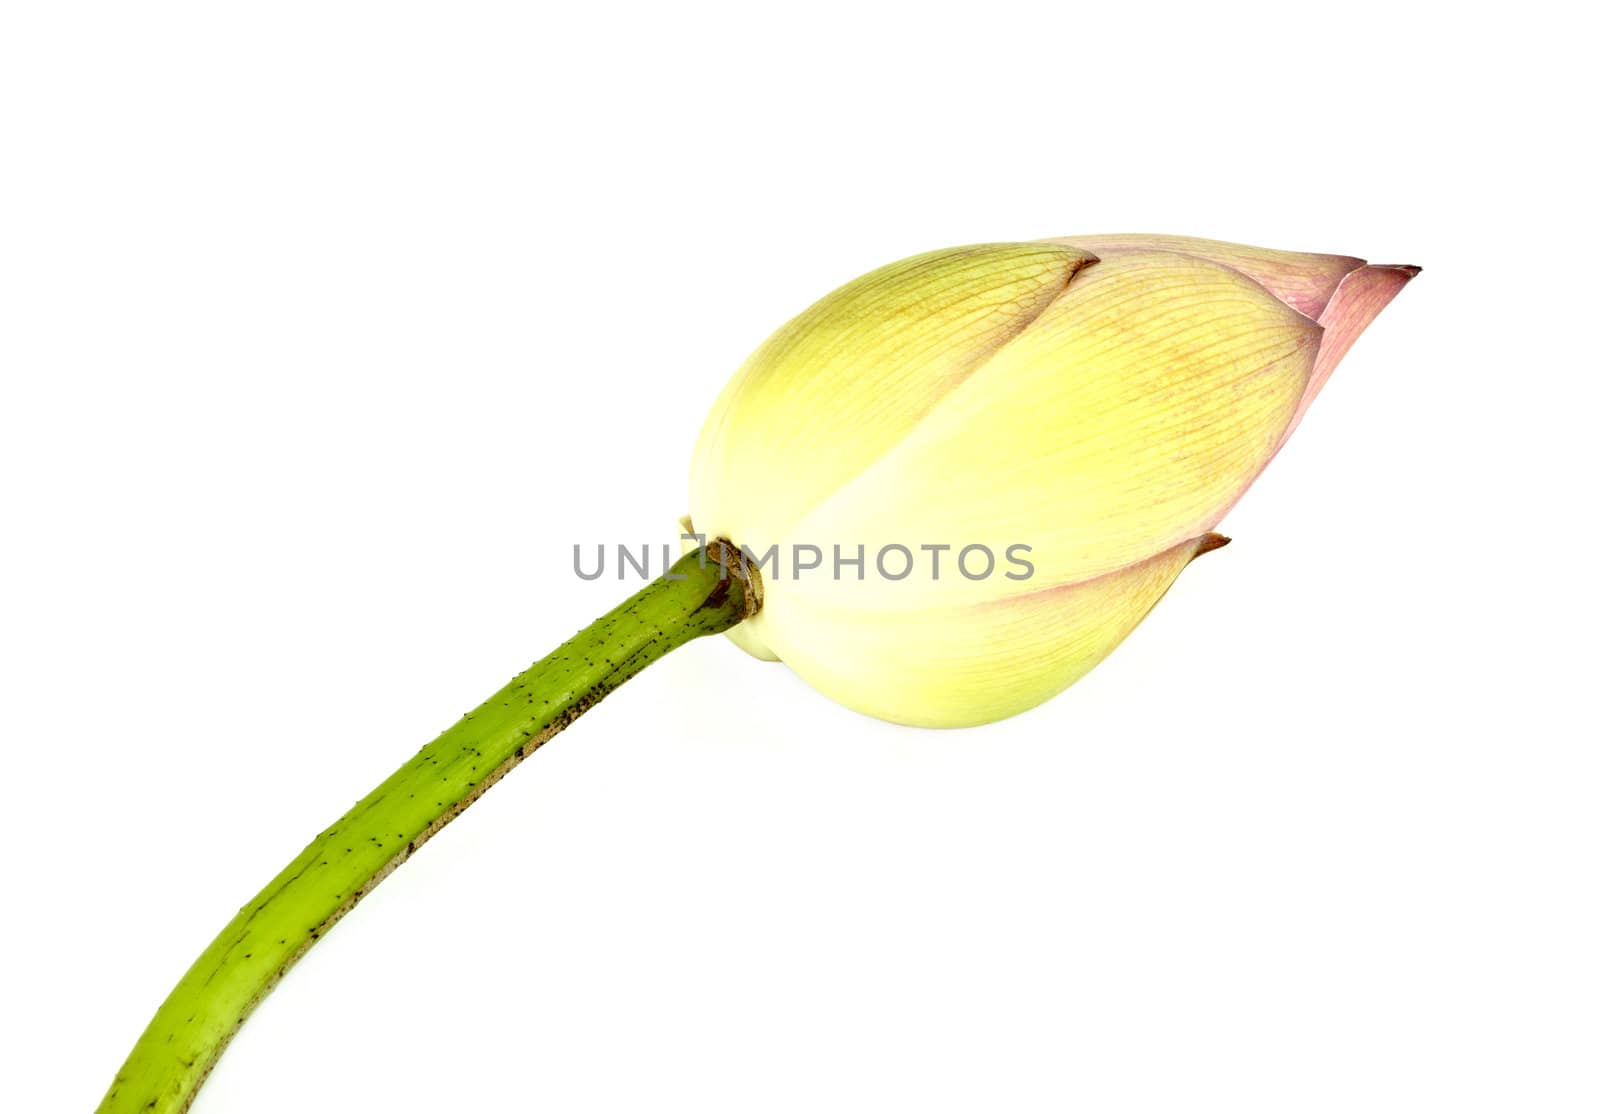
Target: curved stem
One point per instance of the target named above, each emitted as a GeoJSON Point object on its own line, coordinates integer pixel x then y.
{"type": "Point", "coordinates": [182, 1042]}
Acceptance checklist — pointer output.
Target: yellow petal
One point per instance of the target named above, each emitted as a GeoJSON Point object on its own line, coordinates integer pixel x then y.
{"type": "Point", "coordinates": [1343, 293]}
{"type": "Point", "coordinates": [965, 665]}
{"type": "Point", "coordinates": [836, 387]}
{"type": "Point", "coordinates": [1125, 419]}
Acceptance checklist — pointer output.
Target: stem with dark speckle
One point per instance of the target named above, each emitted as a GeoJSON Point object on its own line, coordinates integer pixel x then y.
{"type": "Point", "coordinates": [182, 1042]}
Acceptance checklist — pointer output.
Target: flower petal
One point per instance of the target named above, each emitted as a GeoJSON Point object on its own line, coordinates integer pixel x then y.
{"type": "Point", "coordinates": [837, 386]}
{"type": "Point", "coordinates": [976, 663]}
{"type": "Point", "coordinates": [1360, 298]}
{"type": "Point", "coordinates": [1305, 280]}
{"type": "Point", "coordinates": [1118, 424]}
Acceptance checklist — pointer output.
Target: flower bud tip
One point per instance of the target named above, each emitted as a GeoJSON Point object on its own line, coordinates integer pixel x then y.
{"type": "Point", "coordinates": [1210, 542]}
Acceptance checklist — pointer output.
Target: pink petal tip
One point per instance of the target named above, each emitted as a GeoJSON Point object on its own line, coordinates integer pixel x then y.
{"type": "Point", "coordinates": [1355, 304]}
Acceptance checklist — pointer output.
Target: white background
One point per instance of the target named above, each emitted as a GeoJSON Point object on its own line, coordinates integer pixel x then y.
{"type": "Point", "coordinates": [326, 329]}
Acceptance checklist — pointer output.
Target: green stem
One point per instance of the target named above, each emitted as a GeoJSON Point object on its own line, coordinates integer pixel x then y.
{"type": "Point", "coordinates": [182, 1042]}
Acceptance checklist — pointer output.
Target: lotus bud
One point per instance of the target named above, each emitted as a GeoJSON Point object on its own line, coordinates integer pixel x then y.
{"type": "Point", "coordinates": [995, 460]}
{"type": "Point", "coordinates": [1049, 431]}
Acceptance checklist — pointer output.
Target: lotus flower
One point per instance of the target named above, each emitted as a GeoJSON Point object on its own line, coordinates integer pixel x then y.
{"type": "Point", "coordinates": [1087, 407]}
{"type": "Point", "coordinates": [1100, 401]}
